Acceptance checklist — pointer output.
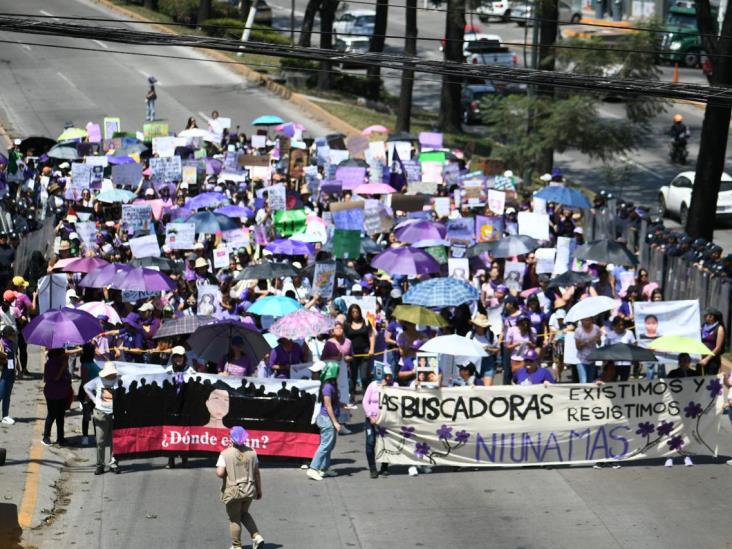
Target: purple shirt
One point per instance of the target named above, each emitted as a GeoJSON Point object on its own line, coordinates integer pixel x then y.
{"type": "Point", "coordinates": [281, 357]}
{"type": "Point", "coordinates": [329, 390]}
{"type": "Point", "coordinates": [56, 389]}
{"type": "Point", "coordinates": [523, 377]}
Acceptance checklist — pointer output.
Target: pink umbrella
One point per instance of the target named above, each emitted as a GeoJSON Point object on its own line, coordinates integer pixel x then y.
{"type": "Point", "coordinates": [374, 188]}
{"type": "Point", "coordinates": [98, 308]}
{"type": "Point", "coordinates": [301, 324]}
{"type": "Point", "coordinates": [83, 265]}
{"type": "Point", "coordinates": [374, 129]}
{"type": "Point", "coordinates": [61, 263]}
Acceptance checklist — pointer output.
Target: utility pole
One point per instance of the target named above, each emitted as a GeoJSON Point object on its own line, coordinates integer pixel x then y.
{"type": "Point", "coordinates": [292, 22]}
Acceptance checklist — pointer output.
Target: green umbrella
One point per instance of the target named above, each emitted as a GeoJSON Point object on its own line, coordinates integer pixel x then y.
{"type": "Point", "coordinates": [419, 315]}
{"type": "Point", "coordinates": [679, 344]}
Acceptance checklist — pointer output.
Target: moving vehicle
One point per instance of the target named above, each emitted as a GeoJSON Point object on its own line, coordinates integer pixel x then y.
{"type": "Point", "coordinates": [523, 13]}
{"type": "Point", "coordinates": [469, 37]}
{"type": "Point", "coordinates": [472, 95]}
{"type": "Point", "coordinates": [355, 22]}
{"type": "Point", "coordinates": [264, 13]}
{"type": "Point", "coordinates": [352, 44]}
{"type": "Point", "coordinates": [682, 42]}
{"type": "Point", "coordinates": [675, 198]}
{"type": "Point", "coordinates": [496, 9]}
{"type": "Point", "coordinates": [490, 52]}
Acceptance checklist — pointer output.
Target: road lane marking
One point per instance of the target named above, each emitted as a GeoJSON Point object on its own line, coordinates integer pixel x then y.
{"type": "Point", "coordinates": [206, 118]}
{"type": "Point", "coordinates": [67, 80]}
{"type": "Point", "coordinates": [47, 14]}
{"type": "Point", "coordinates": [101, 44]}
{"type": "Point", "coordinates": [33, 474]}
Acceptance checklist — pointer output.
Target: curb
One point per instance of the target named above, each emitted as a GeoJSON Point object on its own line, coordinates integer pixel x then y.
{"type": "Point", "coordinates": [284, 92]}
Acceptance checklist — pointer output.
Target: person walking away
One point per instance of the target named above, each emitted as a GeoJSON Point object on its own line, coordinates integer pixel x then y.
{"type": "Point", "coordinates": [7, 371]}
{"type": "Point", "coordinates": [101, 392]}
{"type": "Point", "coordinates": [150, 99]}
{"type": "Point", "coordinates": [58, 394]}
{"type": "Point", "coordinates": [238, 467]}
{"type": "Point", "coordinates": [713, 336]}
{"type": "Point", "coordinates": [327, 422]}
{"type": "Point", "coordinates": [370, 405]}
{"type": "Point", "coordinates": [89, 371]}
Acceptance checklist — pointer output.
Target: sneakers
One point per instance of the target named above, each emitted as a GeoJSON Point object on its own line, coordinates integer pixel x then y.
{"type": "Point", "coordinates": [7, 420]}
{"type": "Point", "coordinates": [257, 541]}
{"type": "Point", "coordinates": [85, 441]}
{"type": "Point", "coordinates": [305, 466]}
{"type": "Point", "coordinates": [345, 430]}
{"type": "Point", "coordinates": [313, 474]}
{"type": "Point", "coordinates": [351, 407]}
{"type": "Point", "coordinates": [46, 441]}
{"type": "Point", "coordinates": [374, 474]}
{"type": "Point", "coordinates": [99, 470]}
{"type": "Point", "coordinates": [729, 462]}
{"type": "Point", "coordinates": [329, 473]}
{"type": "Point", "coordinates": [669, 463]}
{"type": "Point", "coordinates": [688, 462]}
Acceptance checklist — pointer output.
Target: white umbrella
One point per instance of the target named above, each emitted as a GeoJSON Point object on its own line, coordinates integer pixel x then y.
{"type": "Point", "coordinates": [590, 307]}
{"type": "Point", "coordinates": [454, 345]}
{"type": "Point", "coordinates": [194, 132]}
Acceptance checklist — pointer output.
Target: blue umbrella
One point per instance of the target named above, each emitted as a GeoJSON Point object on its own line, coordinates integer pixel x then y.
{"type": "Point", "coordinates": [286, 246]}
{"type": "Point", "coordinates": [441, 292]}
{"type": "Point", "coordinates": [564, 196]}
{"type": "Point", "coordinates": [116, 195]}
{"type": "Point", "coordinates": [274, 305]}
{"type": "Point", "coordinates": [211, 223]}
{"type": "Point", "coordinates": [234, 211]}
{"type": "Point", "coordinates": [267, 120]}
{"type": "Point", "coordinates": [115, 160]}
{"type": "Point", "coordinates": [206, 200]}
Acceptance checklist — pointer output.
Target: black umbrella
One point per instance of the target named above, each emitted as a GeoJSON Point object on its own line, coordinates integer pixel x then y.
{"type": "Point", "coordinates": [569, 278]}
{"type": "Point", "coordinates": [509, 246]}
{"type": "Point", "coordinates": [265, 271]}
{"type": "Point", "coordinates": [622, 351]}
{"type": "Point", "coordinates": [182, 326]}
{"type": "Point", "coordinates": [401, 136]}
{"type": "Point", "coordinates": [604, 252]}
{"type": "Point", "coordinates": [161, 263]}
{"type": "Point", "coordinates": [342, 271]}
{"type": "Point", "coordinates": [212, 341]}
{"type": "Point", "coordinates": [38, 144]}
{"type": "Point", "coordinates": [353, 162]}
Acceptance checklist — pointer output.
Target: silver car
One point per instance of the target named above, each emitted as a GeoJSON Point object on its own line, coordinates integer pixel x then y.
{"type": "Point", "coordinates": [523, 13]}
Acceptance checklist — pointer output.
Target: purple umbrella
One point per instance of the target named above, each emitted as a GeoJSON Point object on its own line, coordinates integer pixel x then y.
{"type": "Point", "coordinates": [234, 211]}
{"type": "Point", "coordinates": [180, 214]}
{"type": "Point", "coordinates": [286, 246]}
{"type": "Point", "coordinates": [213, 166]}
{"type": "Point", "coordinates": [103, 277]}
{"type": "Point", "coordinates": [141, 279]}
{"type": "Point", "coordinates": [3, 160]}
{"type": "Point", "coordinates": [115, 160]}
{"type": "Point", "coordinates": [421, 230]}
{"type": "Point", "coordinates": [206, 200]}
{"type": "Point", "coordinates": [405, 261]}
{"type": "Point", "coordinates": [56, 329]}
{"type": "Point", "coordinates": [84, 265]}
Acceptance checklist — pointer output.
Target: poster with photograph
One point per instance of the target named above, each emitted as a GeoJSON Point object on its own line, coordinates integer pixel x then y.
{"type": "Point", "coordinates": [180, 236]}
{"type": "Point", "coordinates": [654, 319]}
{"type": "Point", "coordinates": [209, 299]}
{"type": "Point", "coordinates": [513, 275]}
{"type": "Point", "coordinates": [496, 201]}
{"type": "Point", "coordinates": [428, 367]}
{"type": "Point", "coordinates": [458, 267]}
{"type": "Point", "coordinates": [324, 279]}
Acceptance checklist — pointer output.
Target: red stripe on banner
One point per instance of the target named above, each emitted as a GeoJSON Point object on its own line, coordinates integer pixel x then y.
{"type": "Point", "coordinates": [181, 439]}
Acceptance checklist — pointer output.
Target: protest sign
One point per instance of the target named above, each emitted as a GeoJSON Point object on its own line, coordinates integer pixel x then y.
{"type": "Point", "coordinates": [350, 177]}
{"type": "Point", "coordinates": [559, 424]}
{"type": "Point", "coordinates": [564, 254]}
{"type": "Point", "coordinates": [422, 187]}
{"type": "Point", "coordinates": [356, 144]}
{"type": "Point", "coordinates": [127, 175]}
{"type": "Point", "coordinates": [81, 175]}
{"type": "Point", "coordinates": [458, 267]}
{"type": "Point", "coordinates": [473, 192]}
{"type": "Point", "coordinates": [209, 299]}
{"type": "Point", "coordinates": [346, 244]}
{"type": "Point", "coordinates": [112, 125]}
{"type": "Point", "coordinates": [442, 206]}
{"type": "Point", "coordinates": [377, 150]}
{"type": "Point", "coordinates": [277, 196]}
{"type": "Point", "coordinates": [154, 129]}
{"type": "Point", "coordinates": [438, 252]}
{"type": "Point", "coordinates": [376, 218]}
{"type": "Point", "coordinates": [189, 175]}
{"type": "Point", "coordinates": [348, 215]}
{"type": "Point", "coordinates": [488, 228]}
{"type": "Point", "coordinates": [87, 231]}
{"type": "Point", "coordinates": [430, 140]}
{"type": "Point", "coordinates": [145, 246]}
{"type": "Point", "coordinates": [376, 171]}
{"type": "Point", "coordinates": [545, 260]}
{"type": "Point", "coordinates": [102, 161]}
{"type": "Point", "coordinates": [336, 156]}
{"type": "Point", "coordinates": [164, 147]}
{"type": "Point", "coordinates": [654, 319]}
{"type": "Point", "coordinates": [513, 275]}
{"type": "Point", "coordinates": [324, 279]}
{"type": "Point", "coordinates": [289, 222]}
{"type": "Point", "coordinates": [180, 236]}
{"type": "Point", "coordinates": [538, 205]}
{"type": "Point", "coordinates": [535, 225]}
{"type": "Point", "coordinates": [166, 169]}
{"type": "Point", "coordinates": [461, 230]}
{"type": "Point", "coordinates": [236, 237]}
{"type": "Point", "coordinates": [496, 201]}
{"type": "Point", "coordinates": [413, 169]}
{"type": "Point", "coordinates": [276, 417]}
{"type": "Point", "coordinates": [402, 148]}
{"type": "Point", "coordinates": [93, 133]}
{"type": "Point", "coordinates": [451, 174]}
{"type": "Point", "coordinates": [405, 203]}
{"type": "Point", "coordinates": [137, 217]}
{"type": "Point", "coordinates": [432, 172]}
{"type": "Point", "coordinates": [221, 257]}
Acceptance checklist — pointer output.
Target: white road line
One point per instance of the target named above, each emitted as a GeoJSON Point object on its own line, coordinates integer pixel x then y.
{"type": "Point", "coordinates": [67, 80]}
{"type": "Point", "coordinates": [47, 14]}
{"type": "Point", "coordinates": [206, 118]}
{"type": "Point", "coordinates": [641, 167]}
{"type": "Point", "coordinates": [101, 44]}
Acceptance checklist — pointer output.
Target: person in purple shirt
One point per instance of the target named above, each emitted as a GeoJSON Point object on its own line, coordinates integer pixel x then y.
{"type": "Point", "coordinates": [56, 390]}
{"type": "Point", "coordinates": [531, 374]}
{"type": "Point", "coordinates": [283, 356]}
{"type": "Point", "coordinates": [236, 364]}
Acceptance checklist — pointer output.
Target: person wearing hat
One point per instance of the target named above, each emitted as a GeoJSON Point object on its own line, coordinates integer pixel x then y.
{"type": "Point", "coordinates": [203, 276]}
{"type": "Point", "coordinates": [713, 336]}
{"type": "Point", "coordinates": [370, 406]}
{"type": "Point", "coordinates": [7, 257]}
{"type": "Point", "coordinates": [101, 392]}
{"type": "Point", "coordinates": [8, 312]}
{"type": "Point", "coordinates": [131, 340]}
{"type": "Point", "coordinates": [530, 373]}
{"type": "Point", "coordinates": [327, 422]}
{"type": "Point", "coordinates": [178, 367]}
{"type": "Point", "coordinates": [238, 468]}
{"type": "Point", "coordinates": [285, 354]}
{"type": "Point", "coordinates": [482, 333]}
{"type": "Point", "coordinates": [7, 371]}
{"type": "Point", "coordinates": [72, 298]}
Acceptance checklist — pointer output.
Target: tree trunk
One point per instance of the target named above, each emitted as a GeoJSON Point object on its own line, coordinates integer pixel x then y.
{"type": "Point", "coordinates": [373, 72]}
{"type": "Point", "coordinates": [549, 10]}
{"type": "Point", "coordinates": [327, 17]}
{"type": "Point", "coordinates": [404, 115]}
{"type": "Point", "coordinates": [715, 129]}
{"type": "Point", "coordinates": [204, 11]}
{"type": "Point", "coordinates": [151, 4]}
{"type": "Point", "coordinates": [308, 20]}
{"type": "Point", "coordinates": [451, 115]}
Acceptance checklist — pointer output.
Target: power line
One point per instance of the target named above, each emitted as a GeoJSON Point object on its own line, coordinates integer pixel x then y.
{"type": "Point", "coordinates": [553, 79]}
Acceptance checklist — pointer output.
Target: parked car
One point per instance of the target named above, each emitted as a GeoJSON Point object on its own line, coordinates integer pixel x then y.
{"type": "Point", "coordinates": [352, 44]}
{"type": "Point", "coordinates": [469, 37]}
{"type": "Point", "coordinates": [490, 52]}
{"type": "Point", "coordinates": [675, 198]}
{"type": "Point", "coordinates": [495, 9]}
{"type": "Point", "coordinates": [523, 13]}
{"type": "Point", "coordinates": [355, 22]}
{"type": "Point", "coordinates": [264, 13]}
{"type": "Point", "coordinates": [472, 95]}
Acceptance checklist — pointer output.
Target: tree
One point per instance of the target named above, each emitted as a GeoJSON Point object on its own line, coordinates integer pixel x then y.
{"type": "Point", "coordinates": [548, 28]}
{"type": "Point", "coordinates": [378, 40]}
{"type": "Point", "coordinates": [327, 17]}
{"type": "Point", "coordinates": [404, 114]}
{"type": "Point", "coordinates": [715, 128]}
{"type": "Point", "coordinates": [151, 4]}
{"type": "Point", "coordinates": [451, 112]}
{"type": "Point", "coordinates": [204, 11]}
{"type": "Point", "coordinates": [308, 20]}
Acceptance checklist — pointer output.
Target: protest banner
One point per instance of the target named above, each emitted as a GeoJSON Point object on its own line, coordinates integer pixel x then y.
{"type": "Point", "coordinates": [654, 319]}
{"type": "Point", "coordinates": [496, 201]}
{"type": "Point", "coordinates": [81, 175]}
{"type": "Point", "coordinates": [348, 215]}
{"type": "Point", "coordinates": [137, 217]}
{"type": "Point", "coordinates": [461, 230]}
{"type": "Point", "coordinates": [276, 196]}
{"type": "Point", "coordinates": [559, 424]}
{"type": "Point", "coordinates": [535, 225]}
{"type": "Point", "coordinates": [145, 246]}
{"type": "Point", "coordinates": [209, 299]}
{"type": "Point", "coordinates": [163, 416]}
{"type": "Point", "coordinates": [346, 244]}
{"type": "Point", "coordinates": [324, 279]}
{"type": "Point", "coordinates": [180, 236]}
{"type": "Point", "coordinates": [127, 175]}
{"type": "Point", "coordinates": [112, 125]}
{"type": "Point", "coordinates": [221, 257]}
{"type": "Point", "coordinates": [488, 228]}
{"type": "Point", "coordinates": [166, 169]}
{"type": "Point", "coordinates": [154, 129]}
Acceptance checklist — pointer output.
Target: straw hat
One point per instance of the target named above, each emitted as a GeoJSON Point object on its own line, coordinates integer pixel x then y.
{"type": "Point", "coordinates": [480, 320]}
{"type": "Point", "coordinates": [108, 370]}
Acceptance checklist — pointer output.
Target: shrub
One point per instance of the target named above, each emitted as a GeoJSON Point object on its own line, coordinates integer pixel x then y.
{"type": "Point", "coordinates": [229, 27]}
{"type": "Point", "coordinates": [182, 11]}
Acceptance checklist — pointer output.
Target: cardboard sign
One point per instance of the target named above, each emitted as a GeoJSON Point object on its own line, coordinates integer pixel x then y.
{"type": "Point", "coordinates": [137, 217]}
{"type": "Point", "coordinates": [112, 125]}
{"type": "Point", "coordinates": [127, 175]}
{"type": "Point", "coordinates": [348, 215]}
{"type": "Point", "coordinates": [350, 177]}
{"type": "Point", "coordinates": [488, 228]}
{"type": "Point", "coordinates": [166, 169]}
{"type": "Point", "coordinates": [145, 246]}
{"type": "Point", "coordinates": [180, 236]}
{"type": "Point", "coordinates": [533, 224]}
{"type": "Point", "coordinates": [405, 203]}
{"type": "Point", "coordinates": [430, 140]}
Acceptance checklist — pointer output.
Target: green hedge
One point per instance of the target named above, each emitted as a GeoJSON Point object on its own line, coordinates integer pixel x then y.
{"type": "Point", "coordinates": [182, 11]}
{"type": "Point", "coordinates": [233, 28]}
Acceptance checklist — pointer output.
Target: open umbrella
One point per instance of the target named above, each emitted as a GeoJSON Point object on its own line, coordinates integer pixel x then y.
{"type": "Point", "coordinates": [37, 144]}
{"type": "Point", "coordinates": [420, 230]}
{"type": "Point", "coordinates": [565, 196]}
{"type": "Point", "coordinates": [374, 188]}
{"type": "Point", "coordinates": [183, 325]}
{"type": "Point", "coordinates": [192, 133]}
{"type": "Point", "coordinates": [506, 247]}
{"type": "Point", "coordinates": [376, 128]}
{"type": "Point", "coordinates": [72, 133]}
{"type": "Point", "coordinates": [211, 223]}
{"type": "Point", "coordinates": [234, 211]}
{"type": "Point", "coordinates": [160, 263]}
{"type": "Point", "coordinates": [267, 120]}
{"type": "Point", "coordinates": [274, 305]}
{"type": "Point", "coordinates": [129, 149]}
{"type": "Point", "coordinates": [141, 279]}
{"type": "Point", "coordinates": [207, 200]}
{"type": "Point", "coordinates": [301, 324]}
{"type": "Point", "coordinates": [441, 292]}
{"type": "Point", "coordinates": [63, 151]}
{"type": "Point", "coordinates": [342, 271]}
{"type": "Point", "coordinates": [679, 344]}
{"type": "Point", "coordinates": [287, 246]}
{"type": "Point", "coordinates": [622, 351]}
{"type": "Point", "coordinates": [267, 270]}
{"type": "Point", "coordinates": [98, 308]}
{"type": "Point", "coordinates": [84, 265]}
{"type": "Point", "coordinates": [116, 195]}
{"type": "Point", "coordinates": [120, 160]}
{"type": "Point", "coordinates": [59, 328]}
{"type": "Point", "coordinates": [590, 307]}
{"type": "Point", "coordinates": [405, 261]}
{"type": "Point", "coordinates": [289, 129]}
{"type": "Point", "coordinates": [212, 341]}
{"type": "Point", "coordinates": [103, 277]}
{"type": "Point", "coordinates": [569, 278]}
{"type": "Point", "coordinates": [604, 252]}
{"type": "Point", "coordinates": [454, 345]}
{"type": "Point", "coordinates": [419, 315]}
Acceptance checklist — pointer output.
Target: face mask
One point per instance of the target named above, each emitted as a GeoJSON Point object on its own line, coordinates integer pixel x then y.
{"type": "Point", "coordinates": [108, 382]}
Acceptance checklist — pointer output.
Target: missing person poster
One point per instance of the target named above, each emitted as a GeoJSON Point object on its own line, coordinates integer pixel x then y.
{"type": "Point", "coordinates": [654, 319]}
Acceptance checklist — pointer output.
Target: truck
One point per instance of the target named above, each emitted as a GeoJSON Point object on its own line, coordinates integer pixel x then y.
{"type": "Point", "coordinates": [681, 42]}
{"type": "Point", "coordinates": [489, 52]}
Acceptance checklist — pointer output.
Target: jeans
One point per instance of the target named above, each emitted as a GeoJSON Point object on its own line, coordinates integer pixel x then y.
{"type": "Point", "coordinates": [56, 412]}
{"type": "Point", "coordinates": [370, 430]}
{"type": "Point", "coordinates": [506, 361]}
{"type": "Point", "coordinates": [150, 103]}
{"type": "Point", "coordinates": [651, 368]}
{"type": "Point", "coordinates": [321, 459]}
{"type": "Point", "coordinates": [359, 367]}
{"type": "Point", "coordinates": [6, 387]}
{"type": "Point", "coordinates": [238, 511]}
{"type": "Point", "coordinates": [587, 373]}
{"type": "Point", "coordinates": [623, 372]}
{"type": "Point", "coordinates": [487, 366]}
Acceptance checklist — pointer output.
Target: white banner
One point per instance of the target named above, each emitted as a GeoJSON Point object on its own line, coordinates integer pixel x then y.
{"type": "Point", "coordinates": [559, 424]}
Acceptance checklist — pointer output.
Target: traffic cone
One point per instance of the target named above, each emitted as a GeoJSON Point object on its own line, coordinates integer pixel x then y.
{"type": "Point", "coordinates": [675, 78]}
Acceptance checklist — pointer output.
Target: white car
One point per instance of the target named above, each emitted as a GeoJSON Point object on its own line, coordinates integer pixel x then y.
{"type": "Point", "coordinates": [496, 9]}
{"type": "Point", "coordinates": [470, 37]}
{"type": "Point", "coordinates": [355, 22]}
{"type": "Point", "coordinates": [523, 13]}
{"type": "Point", "coordinates": [675, 198]}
